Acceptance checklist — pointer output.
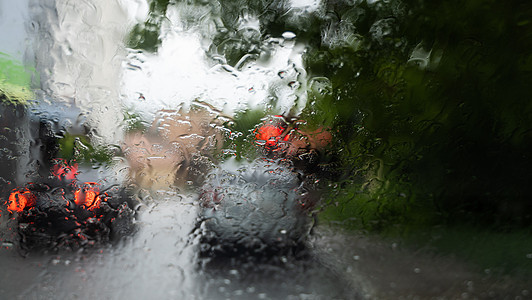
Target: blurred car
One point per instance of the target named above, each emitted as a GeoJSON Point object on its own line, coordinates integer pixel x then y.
{"type": "Point", "coordinates": [43, 205]}
{"type": "Point", "coordinates": [259, 207]}
{"type": "Point", "coordinates": [266, 205]}
{"type": "Point", "coordinates": [61, 213]}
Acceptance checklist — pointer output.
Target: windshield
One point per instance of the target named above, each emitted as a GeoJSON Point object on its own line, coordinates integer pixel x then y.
{"type": "Point", "coordinates": [281, 149]}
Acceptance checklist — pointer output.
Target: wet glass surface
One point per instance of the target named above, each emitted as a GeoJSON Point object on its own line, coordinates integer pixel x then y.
{"type": "Point", "coordinates": [265, 149]}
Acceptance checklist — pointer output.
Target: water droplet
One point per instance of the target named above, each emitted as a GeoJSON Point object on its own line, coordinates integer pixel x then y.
{"type": "Point", "coordinates": [294, 84]}
{"type": "Point", "coordinates": [288, 35]}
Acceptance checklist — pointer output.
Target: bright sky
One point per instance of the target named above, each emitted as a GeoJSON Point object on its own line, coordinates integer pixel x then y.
{"type": "Point", "coordinates": [13, 15]}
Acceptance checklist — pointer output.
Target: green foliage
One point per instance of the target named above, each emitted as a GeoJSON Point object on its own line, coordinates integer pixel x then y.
{"type": "Point", "coordinates": [241, 128]}
{"type": "Point", "coordinates": [134, 122]}
{"type": "Point", "coordinates": [145, 36]}
{"type": "Point", "coordinates": [78, 148]}
{"type": "Point", "coordinates": [14, 81]}
{"type": "Point", "coordinates": [491, 251]}
{"type": "Point", "coordinates": [432, 105]}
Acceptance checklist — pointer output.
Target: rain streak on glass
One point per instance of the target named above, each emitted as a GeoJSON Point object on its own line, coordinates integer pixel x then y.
{"type": "Point", "coordinates": [217, 149]}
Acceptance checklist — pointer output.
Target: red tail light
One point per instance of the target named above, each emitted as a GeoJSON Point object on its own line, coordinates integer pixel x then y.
{"type": "Point", "coordinates": [88, 195]}
{"type": "Point", "coordinates": [18, 200]}
{"type": "Point", "coordinates": [269, 133]}
{"type": "Point", "coordinates": [64, 171]}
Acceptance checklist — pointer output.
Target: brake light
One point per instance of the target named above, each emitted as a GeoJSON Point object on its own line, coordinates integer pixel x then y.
{"type": "Point", "coordinates": [20, 199]}
{"type": "Point", "coordinates": [64, 171]}
{"type": "Point", "coordinates": [88, 195]}
{"type": "Point", "coordinates": [269, 133]}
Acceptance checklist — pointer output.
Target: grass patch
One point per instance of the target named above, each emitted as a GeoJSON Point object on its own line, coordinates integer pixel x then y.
{"type": "Point", "coordinates": [488, 249]}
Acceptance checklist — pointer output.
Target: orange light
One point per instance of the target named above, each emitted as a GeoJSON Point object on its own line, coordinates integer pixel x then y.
{"type": "Point", "coordinates": [63, 170]}
{"type": "Point", "coordinates": [269, 133]}
{"type": "Point", "coordinates": [18, 200]}
{"type": "Point", "coordinates": [88, 196]}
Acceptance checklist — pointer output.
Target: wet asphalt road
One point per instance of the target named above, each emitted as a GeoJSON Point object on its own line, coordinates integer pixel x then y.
{"type": "Point", "coordinates": [161, 262]}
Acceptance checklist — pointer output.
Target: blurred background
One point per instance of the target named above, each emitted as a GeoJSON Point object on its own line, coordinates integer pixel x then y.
{"type": "Point", "coordinates": [422, 177]}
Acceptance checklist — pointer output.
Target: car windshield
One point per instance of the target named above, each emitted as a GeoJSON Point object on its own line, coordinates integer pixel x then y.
{"type": "Point", "coordinates": [283, 149]}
